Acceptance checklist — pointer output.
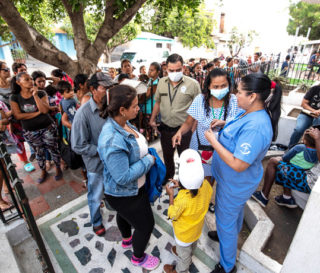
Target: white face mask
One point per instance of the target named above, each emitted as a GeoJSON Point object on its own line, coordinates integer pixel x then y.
{"type": "Point", "coordinates": [219, 93]}
{"type": "Point", "coordinates": [175, 76]}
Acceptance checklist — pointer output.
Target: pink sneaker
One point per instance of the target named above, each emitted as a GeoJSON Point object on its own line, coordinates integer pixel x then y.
{"type": "Point", "coordinates": [149, 262]}
{"type": "Point", "coordinates": [127, 243]}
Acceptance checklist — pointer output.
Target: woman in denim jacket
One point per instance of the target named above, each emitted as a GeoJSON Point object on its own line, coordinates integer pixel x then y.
{"type": "Point", "coordinates": [124, 153]}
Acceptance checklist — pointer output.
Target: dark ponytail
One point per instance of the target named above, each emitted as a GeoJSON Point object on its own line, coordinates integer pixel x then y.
{"type": "Point", "coordinates": [261, 84]}
{"type": "Point", "coordinates": [119, 96]}
{"type": "Point", "coordinates": [273, 108]}
{"type": "Point", "coordinates": [15, 88]}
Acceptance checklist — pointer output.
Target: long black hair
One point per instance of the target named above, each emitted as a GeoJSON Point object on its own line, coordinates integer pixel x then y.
{"type": "Point", "coordinates": [119, 96]}
{"type": "Point", "coordinates": [15, 88]}
{"type": "Point", "coordinates": [261, 84]}
{"type": "Point", "coordinates": [216, 72]}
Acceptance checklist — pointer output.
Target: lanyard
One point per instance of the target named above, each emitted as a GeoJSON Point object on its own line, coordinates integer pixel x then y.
{"type": "Point", "coordinates": [220, 114]}
{"type": "Point", "coordinates": [175, 93]}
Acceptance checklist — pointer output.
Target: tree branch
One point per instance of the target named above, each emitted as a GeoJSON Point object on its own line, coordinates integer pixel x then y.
{"type": "Point", "coordinates": [111, 26]}
{"type": "Point", "coordinates": [32, 41]}
{"type": "Point", "coordinates": [81, 41]}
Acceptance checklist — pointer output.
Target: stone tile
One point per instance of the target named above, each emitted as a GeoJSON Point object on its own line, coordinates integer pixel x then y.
{"type": "Point", "coordinates": [83, 255]}
{"type": "Point", "coordinates": [99, 245]}
{"type": "Point", "coordinates": [74, 243]}
{"type": "Point", "coordinates": [78, 187]}
{"type": "Point", "coordinates": [113, 234]}
{"type": "Point", "coordinates": [97, 270]}
{"type": "Point", "coordinates": [84, 215]}
{"type": "Point", "coordinates": [71, 227]}
{"type": "Point", "coordinates": [156, 233]}
{"type": "Point", "coordinates": [39, 205]}
{"type": "Point", "coordinates": [112, 256]}
{"type": "Point", "coordinates": [50, 184]}
{"type": "Point", "coordinates": [89, 236]}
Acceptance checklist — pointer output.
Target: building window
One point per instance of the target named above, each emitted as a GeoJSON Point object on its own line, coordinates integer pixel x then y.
{"type": "Point", "coordinates": [158, 45]}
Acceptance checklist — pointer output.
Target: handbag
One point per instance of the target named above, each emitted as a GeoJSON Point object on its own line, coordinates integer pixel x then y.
{"type": "Point", "coordinates": [205, 151]}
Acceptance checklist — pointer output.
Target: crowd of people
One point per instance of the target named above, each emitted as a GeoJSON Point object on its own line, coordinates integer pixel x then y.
{"type": "Point", "coordinates": [221, 127]}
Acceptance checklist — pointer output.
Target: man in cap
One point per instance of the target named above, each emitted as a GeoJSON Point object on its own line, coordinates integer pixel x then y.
{"type": "Point", "coordinates": [86, 128]}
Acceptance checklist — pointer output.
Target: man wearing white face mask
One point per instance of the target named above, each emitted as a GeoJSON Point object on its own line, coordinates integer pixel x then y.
{"type": "Point", "coordinates": [173, 97]}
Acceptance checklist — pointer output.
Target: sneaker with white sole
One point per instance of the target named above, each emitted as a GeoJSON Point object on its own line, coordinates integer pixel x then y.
{"type": "Point", "coordinates": [289, 203]}
{"type": "Point", "coordinates": [148, 262]}
{"type": "Point", "coordinates": [257, 196]}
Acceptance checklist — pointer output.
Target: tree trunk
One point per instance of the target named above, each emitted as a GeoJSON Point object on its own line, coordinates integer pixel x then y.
{"type": "Point", "coordinates": [88, 54]}
{"type": "Point", "coordinates": [107, 55]}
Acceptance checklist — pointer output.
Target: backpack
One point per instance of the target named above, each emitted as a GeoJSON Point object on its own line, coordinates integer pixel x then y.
{"type": "Point", "coordinates": [155, 177]}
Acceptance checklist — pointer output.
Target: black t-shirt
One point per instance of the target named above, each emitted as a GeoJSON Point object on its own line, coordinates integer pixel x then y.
{"type": "Point", "coordinates": [29, 106]}
{"type": "Point", "coordinates": [313, 96]}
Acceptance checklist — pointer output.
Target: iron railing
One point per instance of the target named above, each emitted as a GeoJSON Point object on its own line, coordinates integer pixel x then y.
{"type": "Point", "coordinates": [21, 205]}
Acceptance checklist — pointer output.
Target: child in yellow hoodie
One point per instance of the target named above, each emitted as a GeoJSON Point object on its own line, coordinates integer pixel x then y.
{"type": "Point", "coordinates": [188, 209]}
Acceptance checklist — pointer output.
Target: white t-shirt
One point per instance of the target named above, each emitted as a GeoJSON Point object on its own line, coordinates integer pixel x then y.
{"type": "Point", "coordinates": [143, 147]}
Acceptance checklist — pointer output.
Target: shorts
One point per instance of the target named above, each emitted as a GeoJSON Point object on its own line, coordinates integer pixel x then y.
{"type": "Point", "coordinates": [292, 177]}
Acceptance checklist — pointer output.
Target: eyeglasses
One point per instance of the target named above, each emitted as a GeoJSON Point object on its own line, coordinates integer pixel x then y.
{"type": "Point", "coordinates": [5, 69]}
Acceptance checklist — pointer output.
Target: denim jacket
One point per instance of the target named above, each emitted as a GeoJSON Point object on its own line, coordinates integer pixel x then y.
{"type": "Point", "coordinates": [120, 154]}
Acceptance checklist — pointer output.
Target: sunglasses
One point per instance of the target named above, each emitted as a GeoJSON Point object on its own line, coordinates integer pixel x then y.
{"type": "Point", "coordinates": [5, 69]}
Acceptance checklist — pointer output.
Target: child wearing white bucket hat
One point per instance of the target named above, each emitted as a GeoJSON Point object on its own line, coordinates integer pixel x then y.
{"type": "Point", "coordinates": [188, 209]}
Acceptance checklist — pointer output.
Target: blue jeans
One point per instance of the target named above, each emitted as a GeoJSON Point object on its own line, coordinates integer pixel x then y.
{"type": "Point", "coordinates": [303, 123]}
{"type": "Point", "coordinates": [95, 194]}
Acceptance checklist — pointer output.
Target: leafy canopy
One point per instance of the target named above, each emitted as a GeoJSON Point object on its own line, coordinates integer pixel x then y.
{"type": "Point", "coordinates": [305, 15]}
{"type": "Point", "coordinates": [192, 26]}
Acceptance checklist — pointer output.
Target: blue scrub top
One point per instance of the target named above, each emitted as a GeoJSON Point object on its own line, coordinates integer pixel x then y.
{"type": "Point", "coordinates": [248, 139]}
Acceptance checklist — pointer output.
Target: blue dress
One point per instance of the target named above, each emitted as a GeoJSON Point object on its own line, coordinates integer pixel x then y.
{"type": "Point", "coordinates": [248, 139]}
{"type": "Point", "coordinates": [198, 112]}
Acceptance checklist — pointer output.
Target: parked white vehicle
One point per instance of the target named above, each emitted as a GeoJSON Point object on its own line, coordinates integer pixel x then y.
{"type": "Point", "coordinates": [143, 50]}
{"type": "Point", "coordinates": [138, 58]}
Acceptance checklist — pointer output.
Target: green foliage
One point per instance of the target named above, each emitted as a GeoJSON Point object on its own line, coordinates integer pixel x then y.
{"type": "Point", "coordinates": [305, 15]}
{"type": "Point", "coordinates": [239, 40]}
{"type": "Point", "coordinates": [192, 26]}
{"type": "Point", "coordinates": [40, 14]}
{"type": "Point", "coordinates": [93, 24]}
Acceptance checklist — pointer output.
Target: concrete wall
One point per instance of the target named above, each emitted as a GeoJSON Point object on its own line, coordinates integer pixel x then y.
{"type": "Point", "coordinates": [303, 254]}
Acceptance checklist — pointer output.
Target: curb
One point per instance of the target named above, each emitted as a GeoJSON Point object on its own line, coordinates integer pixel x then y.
{"type": "Point", "coordinates": [251, 254]}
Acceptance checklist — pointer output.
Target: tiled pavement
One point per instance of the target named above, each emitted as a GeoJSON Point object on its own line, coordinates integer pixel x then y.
{"type": "Point", "coordinates": [68, 233]}
{"type": "Point", "coordinates": [76, 248]}
{"type": "Point", "coordinates": [51, 194]}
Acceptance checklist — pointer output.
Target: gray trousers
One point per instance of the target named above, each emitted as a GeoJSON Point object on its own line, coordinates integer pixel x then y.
{"type": "Point", "coordinates": [184, 259]}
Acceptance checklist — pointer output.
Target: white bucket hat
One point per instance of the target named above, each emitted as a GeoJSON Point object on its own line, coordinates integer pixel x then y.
{"type": "Point", "coordinates": [191, 172]}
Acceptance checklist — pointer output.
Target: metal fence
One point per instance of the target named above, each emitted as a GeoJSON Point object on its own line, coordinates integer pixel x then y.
{"type": "Point", "coordinates": [21, 207]}
{"type": "Point", "coordinates": [295, 75]}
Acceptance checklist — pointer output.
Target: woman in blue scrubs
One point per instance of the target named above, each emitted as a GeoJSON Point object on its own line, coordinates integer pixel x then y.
{"type": "Point", "coordinates": [236, 164]}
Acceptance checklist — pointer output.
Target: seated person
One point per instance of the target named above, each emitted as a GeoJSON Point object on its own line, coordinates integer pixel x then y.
{"type": "Point", "coordinates": [310, 102]}
{"type": "Point", "coordinates": [290, 171]}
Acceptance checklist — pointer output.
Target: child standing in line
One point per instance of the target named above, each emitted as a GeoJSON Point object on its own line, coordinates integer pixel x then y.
{"type": "Point", "coordinates": [68, 103]}
{"type": "Point", "coordinates": [188, 209]}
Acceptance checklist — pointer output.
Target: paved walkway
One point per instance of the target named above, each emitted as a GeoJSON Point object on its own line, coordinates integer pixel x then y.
{"type": "Point", "coordinates": [51, 194]}
{"type": "Point", "coordinates": [76, 248]}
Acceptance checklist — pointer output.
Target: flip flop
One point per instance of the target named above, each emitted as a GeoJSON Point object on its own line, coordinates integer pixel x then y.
{"type": "Point", "coordinates": [29, 167]}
